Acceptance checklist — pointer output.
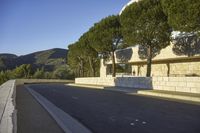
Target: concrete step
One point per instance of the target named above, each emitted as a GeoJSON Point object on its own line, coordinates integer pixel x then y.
{"type": "Point", "coordinates": [172, 95]}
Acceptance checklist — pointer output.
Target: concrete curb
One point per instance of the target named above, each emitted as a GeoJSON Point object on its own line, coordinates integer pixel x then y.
{"type": "Point", "coordinates": [171, 95]}
{"type": "Point", "coordinates": [65, 121]}
{"type": "Point", "coordinates": [8, 118]}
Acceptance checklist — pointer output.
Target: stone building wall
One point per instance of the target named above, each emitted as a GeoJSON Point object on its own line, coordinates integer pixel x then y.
{"type": "Point", "coordinates": [167, 63]}
{"type": "Point", "coordinates": [171, 69]}
{"type": "Point", "coordinates": [190, 68]}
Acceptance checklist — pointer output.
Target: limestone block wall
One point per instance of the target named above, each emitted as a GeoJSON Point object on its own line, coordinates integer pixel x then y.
{"type": "Point", "coordinates": [103, 67]}
{"type": "Point", "coordinates": [179, 84]}
{"type": "Point", "coordinates": [167, 63]}
{"type": "Point", "coordinates": [156, 70]}
{"type": "Point", "coordinates": [134, 82]}
{"type": "Point", "coordinates": [106, 81]}
{"type": "Point", "coordinates": [166, 53]}
{"type": "Point", "coordinates": [174, 69]}
{"type": "Point", "coordinates": [185, 68]}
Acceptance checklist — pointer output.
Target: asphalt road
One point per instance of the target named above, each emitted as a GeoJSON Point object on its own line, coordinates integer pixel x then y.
{"type": "Point", "coordinates": [31, 116]}
{"type": "Point", "coordinates": [105, 111]}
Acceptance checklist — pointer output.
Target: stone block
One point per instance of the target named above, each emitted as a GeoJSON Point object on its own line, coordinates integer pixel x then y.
{"type": "Point", "coordinates": [156, 83]}
{"type": "Point", "coordinates": [193, 84]}
{"type": "Point", "coordinates": [192, 79]}
{"type": "Point", "coordinates": [165, 78]}
{"type": "Point", "coordinates": [159, 78]}
{"type": "Point", "coordinates": [182, 79]}
{"type": "Point", "coordinates": [181, 84]}
{"type": "Point", "coordinates": [154, 79]}
{"type": "Point", "coordinates": [171, 83]}
{"type": "Point", "coordinates": [183, 89]}
{"type": "Point", "coordinates": [158, 87]}
{"type": "Point", "coordinates": [173, 79]}
{"type": "Point", "coordinates": [195, 90]}
{"type": "Point", "coordinates": [162, 83]}
{"type": "Point", "coordinates": [169, 88]}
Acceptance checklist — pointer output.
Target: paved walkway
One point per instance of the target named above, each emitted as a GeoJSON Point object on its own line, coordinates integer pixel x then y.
{"type": "Point", "coordinates": [7, 107]}
{"type": "Point", "coordinates": [31, 116]}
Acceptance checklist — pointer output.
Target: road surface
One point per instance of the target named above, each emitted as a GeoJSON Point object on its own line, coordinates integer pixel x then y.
{"type": "Point", "coordinates": [104, 111]}
{"type": "Point", "coordinates": [31, 116]}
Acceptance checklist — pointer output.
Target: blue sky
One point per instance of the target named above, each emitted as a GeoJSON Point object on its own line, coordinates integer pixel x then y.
{"type": "Point", "coordinates": [32, 25]}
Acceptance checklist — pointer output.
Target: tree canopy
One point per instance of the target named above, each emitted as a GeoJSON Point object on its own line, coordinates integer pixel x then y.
{"type": "Point", "coordinates": [82, 58]}
{"type": "Point", "coordinates": [89, 53]}
{"type": "Point", "coordinates": [144, 23]}
{"type": "Point", "coordinates": [106, 37]}
{"type": "Point", "coordinates": [183, 15]}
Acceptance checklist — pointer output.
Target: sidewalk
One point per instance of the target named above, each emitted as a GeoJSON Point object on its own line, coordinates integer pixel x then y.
{"type": "Point", "coordinates": [172, 95]}
{"type": "Point", "coordinates": [31, 116]}
{"type": "Point", "coordinates": [181, 96]}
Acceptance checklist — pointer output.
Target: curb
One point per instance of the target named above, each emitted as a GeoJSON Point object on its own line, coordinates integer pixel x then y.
{"type": "Point", "coordinates": [8, 118]}
{"type": "Point", "coordinates": [163, 94]}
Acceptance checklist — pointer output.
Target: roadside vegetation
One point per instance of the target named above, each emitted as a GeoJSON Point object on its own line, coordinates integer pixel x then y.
{"type": "Point", "coordinates": [26, 71]}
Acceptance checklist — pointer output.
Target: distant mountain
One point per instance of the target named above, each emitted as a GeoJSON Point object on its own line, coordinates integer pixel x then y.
{"type": "Point", "coordinates": [8, 55]}
{"type": "Point", "coordinates": [49, 59]}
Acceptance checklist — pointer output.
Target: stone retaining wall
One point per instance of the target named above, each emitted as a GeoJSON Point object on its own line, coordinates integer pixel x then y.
{"type": "Point", "coordinates": [107, 81]}
{"type": "Point", "coordinates": [173, 69]}
{"type": "Point", "coordinates": [179, 84]}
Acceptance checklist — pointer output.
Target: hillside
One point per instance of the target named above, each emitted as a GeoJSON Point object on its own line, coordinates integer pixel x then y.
{"type": "Point", "coordinates": [49, 59]}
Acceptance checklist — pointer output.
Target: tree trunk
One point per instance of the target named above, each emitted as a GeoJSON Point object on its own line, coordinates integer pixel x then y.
{"type": "Point", "coordinates": [91, 66]}
{"type": "Point", "coordinates": [81, 68]}
{"type": "Point", "coordinates": [168, 69]}
{"type": "Point", "coordinates": [149, 61]}
{"type": "Point", "coordinates": [82, 65]}
{"type": "Point", "coordinates": [94, 70]}
{"type": "Point", "coordinates": [113, 65]}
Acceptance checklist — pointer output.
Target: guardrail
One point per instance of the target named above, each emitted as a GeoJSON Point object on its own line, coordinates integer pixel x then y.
{"type": "Point", "coordinates": [8, 112]}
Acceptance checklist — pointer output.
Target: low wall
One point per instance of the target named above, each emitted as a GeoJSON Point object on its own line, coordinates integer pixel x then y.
{"type": "Point", "coordinates": [29, 81]}
{"type": "Point", "coordinates": [134, 82]}
{"type": "Point", "coordinates": [179, 84]}
{"type": "Point", "coordinates": [107, 81]}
